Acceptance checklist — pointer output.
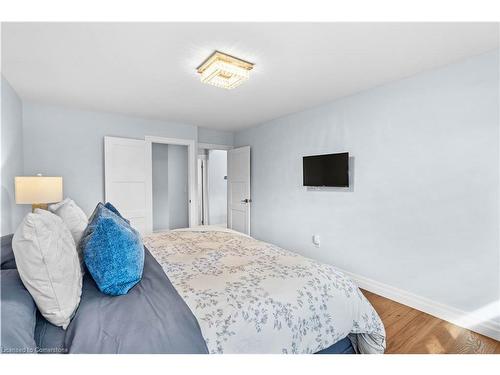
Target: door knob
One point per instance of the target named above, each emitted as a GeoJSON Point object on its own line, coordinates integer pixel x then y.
{"type": "Point", "coordinates": [246, 200]}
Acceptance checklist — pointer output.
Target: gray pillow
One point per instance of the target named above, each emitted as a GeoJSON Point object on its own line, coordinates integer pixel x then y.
{"type": "Point", "coordinates": [7, 255]}
{"type": "Point", "coordinates": [18, 314]}
{"type": "Point", "coordinates": [73, 217]}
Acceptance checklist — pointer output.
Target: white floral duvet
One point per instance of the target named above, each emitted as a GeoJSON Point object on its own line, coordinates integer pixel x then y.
{"type": "Point", "coordinates": [253, 297]}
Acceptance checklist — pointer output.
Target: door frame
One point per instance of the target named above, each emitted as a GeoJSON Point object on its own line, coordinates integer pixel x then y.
{"type": "Point", "coordinates": [202, 182]}
{"type": "Point", "coordinates": [214, 146]}
{"type": "Point", "coordinates": [192, 198]}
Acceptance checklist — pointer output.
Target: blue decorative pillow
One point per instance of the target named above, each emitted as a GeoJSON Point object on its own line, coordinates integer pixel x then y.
{"type": "Point", "coordinates": [112, 208]}
{"type": "Point", "coordinates": [113, 252]}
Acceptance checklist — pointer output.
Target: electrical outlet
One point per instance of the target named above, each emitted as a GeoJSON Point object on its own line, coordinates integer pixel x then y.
{"type": "Point", "coordinates": [316, 240]}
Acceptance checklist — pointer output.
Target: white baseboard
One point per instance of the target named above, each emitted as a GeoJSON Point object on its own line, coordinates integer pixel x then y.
{"type": "Point", "coordinates": [460, 318]}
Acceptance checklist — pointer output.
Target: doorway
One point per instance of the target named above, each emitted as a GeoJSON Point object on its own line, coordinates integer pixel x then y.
{"type": "Point", "coordinates": [170, 183]}
{"type": "Point", "coordinates": [212, 185]}
{"type": "Point", "coordinates": [170, 186]}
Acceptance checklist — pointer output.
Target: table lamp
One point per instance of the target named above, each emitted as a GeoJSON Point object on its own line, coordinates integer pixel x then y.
{"type": "Point", "coordinates": [38, 190]}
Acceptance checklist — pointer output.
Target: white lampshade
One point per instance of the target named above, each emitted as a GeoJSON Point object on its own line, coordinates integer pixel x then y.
{"type": "Point", "coordinates": [38, 189]}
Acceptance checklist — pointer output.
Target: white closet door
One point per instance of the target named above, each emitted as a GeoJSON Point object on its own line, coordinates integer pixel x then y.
{"type": "Point", "coordinates": [238, 189]}
{"type": "Point", "coordinates": [125, 178]}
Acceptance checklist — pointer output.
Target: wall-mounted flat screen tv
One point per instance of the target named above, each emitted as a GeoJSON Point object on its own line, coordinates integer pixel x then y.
{"type": "Point", "coordinates": [326, 170]}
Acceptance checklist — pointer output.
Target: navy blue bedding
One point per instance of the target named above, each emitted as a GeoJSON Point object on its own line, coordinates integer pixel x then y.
{"type": "Point", "coordinates": [19, 310]}
{"type": "Point", "coordinates": [7, 259]}
{"type": "Point", "coordinates": [150, 318]}
{"type": "Point", "coordinates": [343, 346]}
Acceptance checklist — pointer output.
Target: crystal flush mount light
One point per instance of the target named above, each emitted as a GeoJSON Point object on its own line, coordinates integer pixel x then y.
{"type": "Point", "coordinates": [224, 71]}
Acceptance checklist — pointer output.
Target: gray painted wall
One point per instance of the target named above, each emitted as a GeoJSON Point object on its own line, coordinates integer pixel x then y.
{"type": "Point", "coordinates": [178, 186]}
{"type": "Point", "coordinates": [423, 212]}
{"type": "Point", "coordinates": [69, 143]}
{"type": "Point", "coordinates": [159, 154]}
{"type": "Point", "coordinates": [214, 136]}
{"type": "Point", "coordinates": [12, 157]}
{"type": "Point", "coordinates": [217, 187]}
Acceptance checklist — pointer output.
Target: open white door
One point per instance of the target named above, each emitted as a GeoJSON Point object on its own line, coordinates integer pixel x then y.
{"type": "Point", "coordinates": [125, 178]}
{"type": "Point", "coordinates": [238, 189]}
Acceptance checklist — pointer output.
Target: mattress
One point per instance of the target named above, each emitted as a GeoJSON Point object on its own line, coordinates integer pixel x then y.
{"type": "Point", "coordinates": [151, 318]}
{"type": "Point", "coordinates": [250, 296]}
{"type": "Point", "coordinates": [181, 336]}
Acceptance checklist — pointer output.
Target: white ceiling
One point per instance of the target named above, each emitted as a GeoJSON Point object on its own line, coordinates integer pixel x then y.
{"type": "Point", "coordinates": [148, 69]}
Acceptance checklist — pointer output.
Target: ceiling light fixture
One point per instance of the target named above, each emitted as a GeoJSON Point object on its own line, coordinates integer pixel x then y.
{"type": "Point", "coordinates": [224, 71]}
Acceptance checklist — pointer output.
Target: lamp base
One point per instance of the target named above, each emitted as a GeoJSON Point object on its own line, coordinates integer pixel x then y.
{"type": "Point", "coordinates": [42, 206]}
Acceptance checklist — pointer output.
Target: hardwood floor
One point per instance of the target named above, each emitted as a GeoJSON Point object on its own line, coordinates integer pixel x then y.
{"type": "Point", "coordinates": [410, 331]}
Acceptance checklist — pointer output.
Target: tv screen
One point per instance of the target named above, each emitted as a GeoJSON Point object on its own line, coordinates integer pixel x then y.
{"type": "Point", "coordinates": [326, 170]}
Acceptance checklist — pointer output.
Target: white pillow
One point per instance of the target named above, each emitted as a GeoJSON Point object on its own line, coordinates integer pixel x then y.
{"type": "Point", "coordinates": [48, 264]}
{"type": "Point", "coordinates": [73, 216]}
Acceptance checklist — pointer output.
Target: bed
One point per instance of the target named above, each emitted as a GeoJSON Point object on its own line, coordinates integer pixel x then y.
{"type": "Point", "coordinates": [213, 290]}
